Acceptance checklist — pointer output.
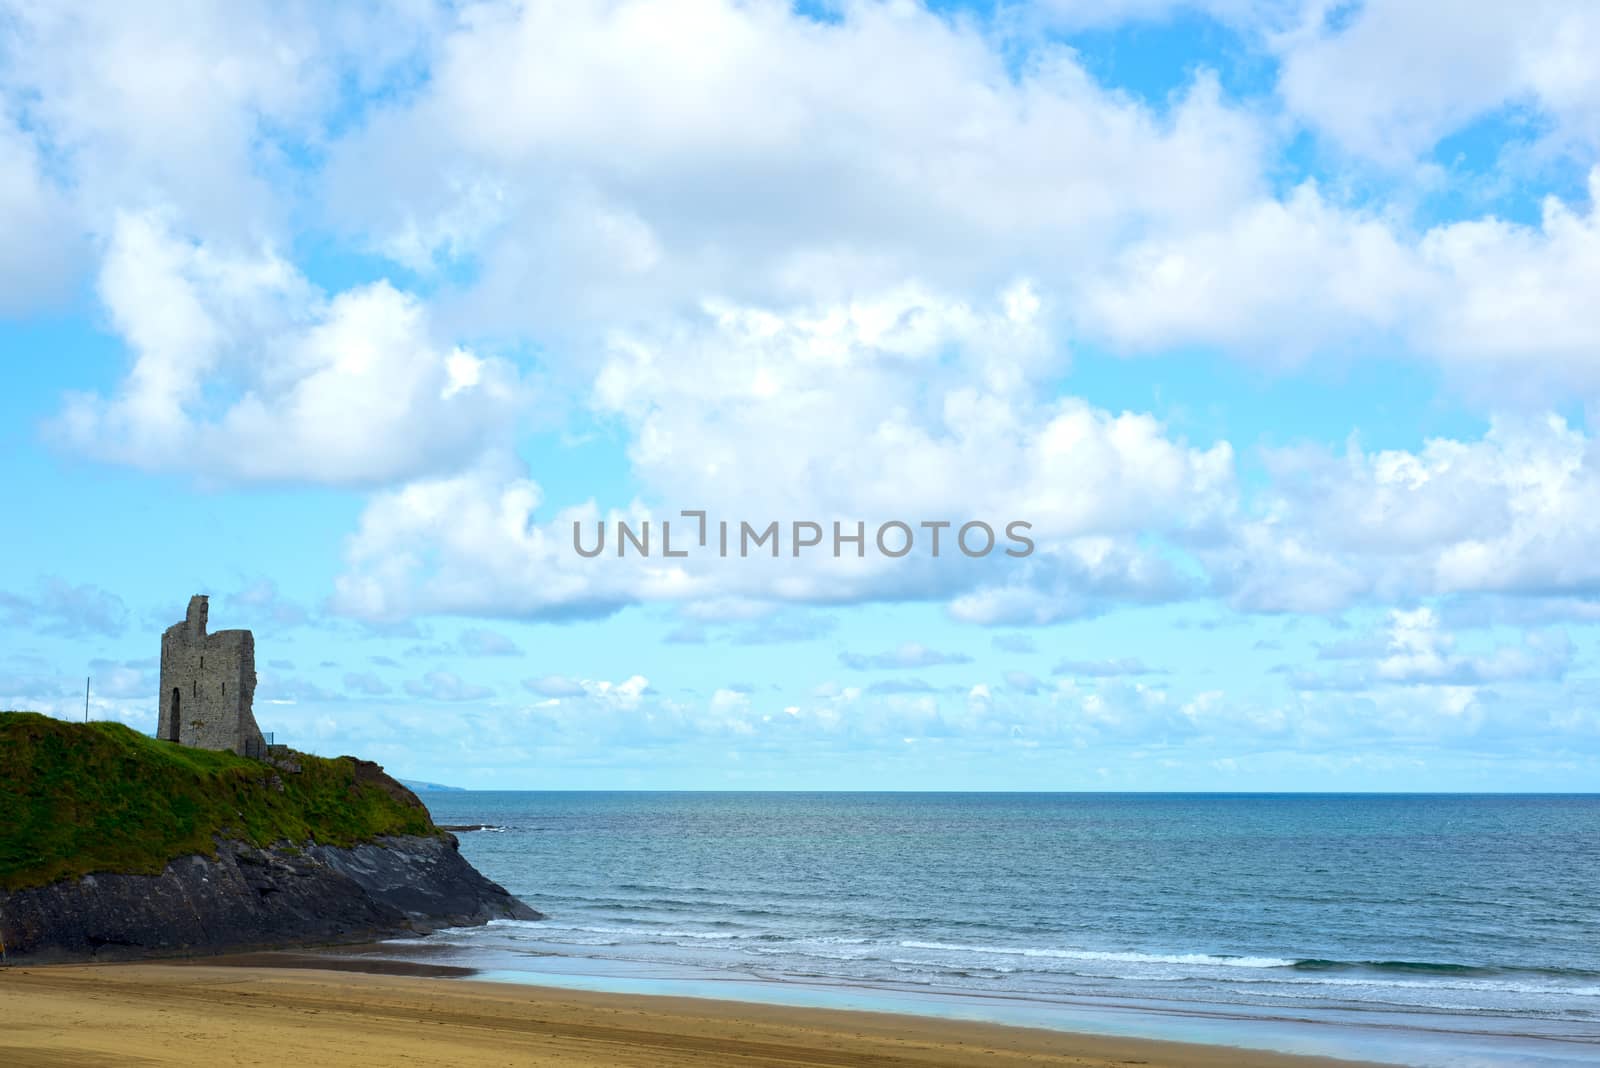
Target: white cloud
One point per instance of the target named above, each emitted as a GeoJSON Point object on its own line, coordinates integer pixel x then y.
{"type": "Point", "coordinates": [766, 158]}
{"type": "Point", "coordinates": [623, 696]}
{"type": "Point", "coordinates": [1512, 512]}
{"type": "Point", "coordinates": [1504, 307]}
{"type": "Point", "coordinates": [470, 544]}
{"type": "Point", "coordinates": [243, 371]}
{"type": "Point", "coordinates": [801, 295]}
{"type": "Point", "coordinates": [1362, 80]}
{"type": "Point", "coordinates": [1414, 649]}
{"type": "Point", "coordinates": [936, 401]}
{"type": "Point", "coordinates": [41, 253]}
{"type": "Point", "coordinates": [1515, 301]}
{"type": "Point", "coordinates": [1418, 651]}
{"type": "Point", "coordinates": [192, 106]}
{"type": "Point", "coordinates": [1279, 279]}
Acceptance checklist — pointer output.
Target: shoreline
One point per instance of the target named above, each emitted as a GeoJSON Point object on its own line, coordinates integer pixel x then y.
{"type": "Point", "coordinates": [245, 1010]}
{"type": "Point", "coordinates": [1428, 1039]}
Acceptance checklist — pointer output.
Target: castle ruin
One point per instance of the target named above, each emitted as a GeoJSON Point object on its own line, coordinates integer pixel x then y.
{"type": "Point", "coordinates": [208, 682]}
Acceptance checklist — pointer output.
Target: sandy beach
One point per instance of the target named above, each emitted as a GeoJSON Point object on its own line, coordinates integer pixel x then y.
{"type": "Point", "coordinates": [209, 1014]}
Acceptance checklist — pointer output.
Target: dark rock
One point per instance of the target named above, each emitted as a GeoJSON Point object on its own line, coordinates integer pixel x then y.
{"type": "Point", "coordinates": [427, 879]}
{"type": "Point", "coordinates": [250, 898]}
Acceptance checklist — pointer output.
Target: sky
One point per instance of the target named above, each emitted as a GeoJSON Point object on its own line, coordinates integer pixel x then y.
{"type": "Point", "coordinates": [1275, 320]}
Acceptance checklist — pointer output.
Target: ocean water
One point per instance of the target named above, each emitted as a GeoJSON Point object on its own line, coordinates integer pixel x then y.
{"type": "Point", "coordinates": [1414, 929]}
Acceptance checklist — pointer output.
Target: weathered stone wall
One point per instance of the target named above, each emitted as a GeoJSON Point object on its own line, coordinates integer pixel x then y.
{"type": "Point", "coordinates": [208, 686]}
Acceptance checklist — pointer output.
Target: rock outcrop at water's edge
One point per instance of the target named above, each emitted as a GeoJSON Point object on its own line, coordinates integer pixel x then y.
{"type": "Point", "coordinates": [115, 845]}
{"type": "Point", "coordinates": [248, 897]}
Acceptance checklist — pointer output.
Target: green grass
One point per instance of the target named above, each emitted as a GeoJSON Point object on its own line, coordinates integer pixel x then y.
{"type": "Point", "coordinates": [99, 797]}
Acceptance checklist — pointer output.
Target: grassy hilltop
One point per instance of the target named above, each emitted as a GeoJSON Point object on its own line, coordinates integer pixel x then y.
{"type": "Point", "coordinates": [79, 798]}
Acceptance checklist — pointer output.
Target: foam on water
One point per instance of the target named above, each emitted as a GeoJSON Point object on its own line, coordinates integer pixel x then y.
{"type": "Point", "coordinates": [1132, 958]}
{"type": "Point", "coordinates": [1474, 911]}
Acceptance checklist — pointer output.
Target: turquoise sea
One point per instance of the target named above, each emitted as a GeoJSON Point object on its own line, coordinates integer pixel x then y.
{"type": "Point", "coordinates": [1406, 928]}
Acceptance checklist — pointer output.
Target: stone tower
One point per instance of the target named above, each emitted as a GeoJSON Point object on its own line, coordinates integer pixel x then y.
{"type": "Point", "coordinates": [208, 682]}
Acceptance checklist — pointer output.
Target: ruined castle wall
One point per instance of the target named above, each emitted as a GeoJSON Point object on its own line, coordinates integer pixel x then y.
{"type": "Point", "coordinates": [208, 684]}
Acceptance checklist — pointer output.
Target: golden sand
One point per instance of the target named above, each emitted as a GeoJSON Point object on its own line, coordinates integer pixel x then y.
{"type": "Point", "coordinates": [127, 1015]}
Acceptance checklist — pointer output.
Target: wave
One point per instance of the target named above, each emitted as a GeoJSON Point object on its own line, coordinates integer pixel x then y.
{"type": "Point", "coordinates": [1444, 969]}
{"type": "Point", "coordinates": [652, 933]}
{"type": "Point", "coordinates": [1507, 985]}
{"type": "Point", "coordinates": [1146, 966]}
{"type": "Point", "coordinates": [1124, 957]}
{"type": "Point", "coordinates": [1419, 969]}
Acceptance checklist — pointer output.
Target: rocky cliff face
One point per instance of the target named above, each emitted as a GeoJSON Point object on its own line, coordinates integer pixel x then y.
{"type": "Point", "coordinates": [251, 898]}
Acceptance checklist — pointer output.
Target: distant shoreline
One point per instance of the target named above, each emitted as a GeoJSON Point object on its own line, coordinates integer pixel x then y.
{"type": "Point", "coordinates": [342, 1017]}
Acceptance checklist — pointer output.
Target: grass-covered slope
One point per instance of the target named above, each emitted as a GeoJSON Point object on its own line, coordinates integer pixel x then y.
{"type": "Point", "coordinates": [99, 797]}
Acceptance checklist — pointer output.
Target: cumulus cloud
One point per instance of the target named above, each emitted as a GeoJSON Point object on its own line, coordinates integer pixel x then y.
{"type": "Point", "coordinates": [242, 370]}
{"type": "Point", "coordinates": [1348, 71]}
{"type": "Point", "coordinates": [626, 695]}
{"type": "Point", "coordinates": [1508, 513]}
{"type": "Point", "coordinates": [899, 143]}
{"type": "Point", "coordinates": [469, 544]}
{"type": "Point", "coordinates": [1414, 649]}
{"type": "Point", "coordinates": [1277, 278]}
{"type": "Point", "coordinates": [1503, 306]}
{"type": "Point", "coordinates": [797, 295]}
{"type": "Point", "coordinates": [192, 107]}
{"type": "Point", "coordinates": [1419, 652]}
{"type": "Point", "coordinates": [42, 252]}
{"type": "Point", "coordinates": [936, 398]}
{"type": "Point", "coordinates": [1358, 80]}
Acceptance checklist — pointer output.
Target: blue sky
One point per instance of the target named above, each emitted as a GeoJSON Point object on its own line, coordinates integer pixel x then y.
{"type": "Point", "coordinates": [1278, 329]}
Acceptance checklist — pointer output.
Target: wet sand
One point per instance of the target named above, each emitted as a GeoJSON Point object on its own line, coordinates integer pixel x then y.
{"type": "Point", "coordinates": [271, 1009]}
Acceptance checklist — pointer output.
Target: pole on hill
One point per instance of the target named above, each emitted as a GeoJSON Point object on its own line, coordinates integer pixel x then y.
{"type": "Point", "coordinates": [86, 698]}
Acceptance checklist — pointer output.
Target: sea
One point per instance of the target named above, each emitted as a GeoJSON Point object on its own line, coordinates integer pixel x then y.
{"type": "Point", "coordinates": [1406, 929]}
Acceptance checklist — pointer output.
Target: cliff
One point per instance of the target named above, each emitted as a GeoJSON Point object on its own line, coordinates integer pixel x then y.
{"type": "Point", "coordinates": [114, 845]}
